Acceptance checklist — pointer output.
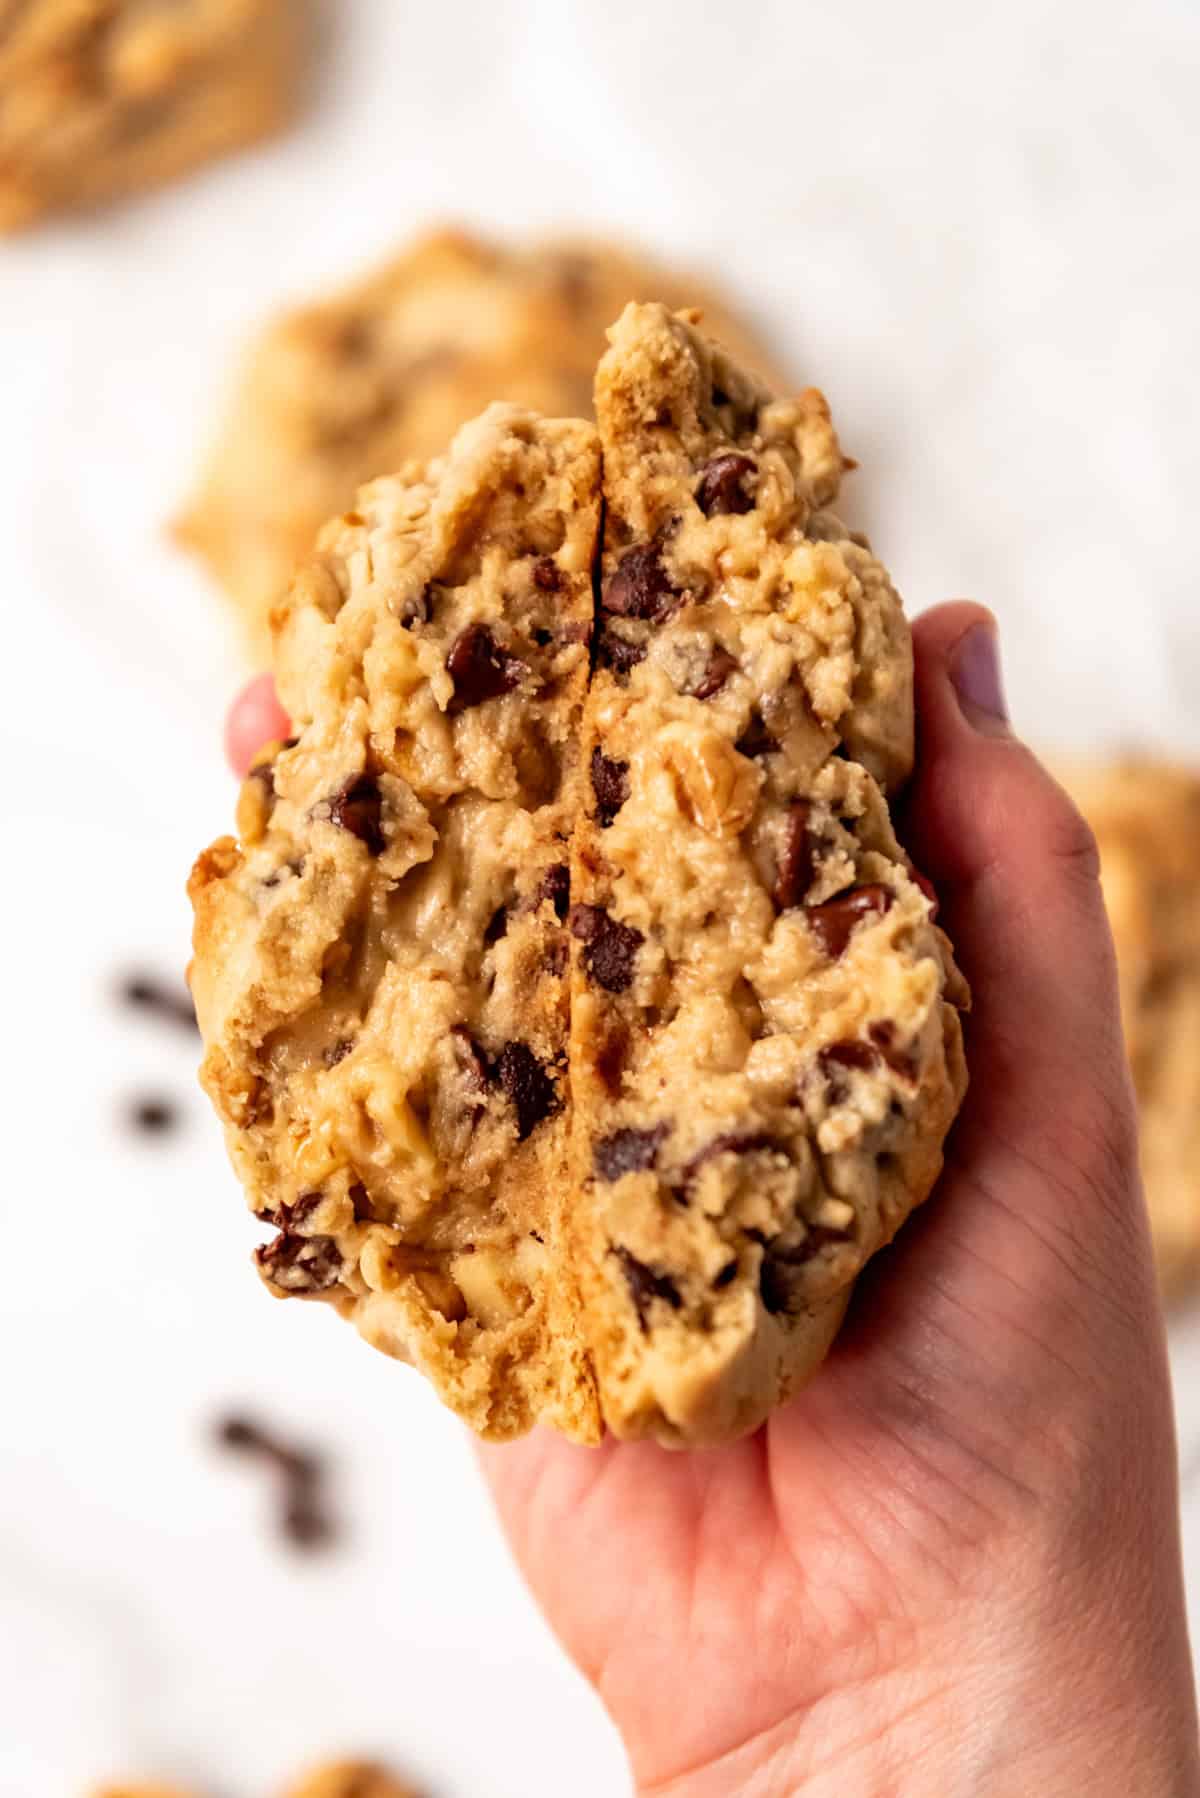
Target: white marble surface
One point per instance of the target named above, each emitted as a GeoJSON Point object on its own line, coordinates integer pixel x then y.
{"type": "Point", "coordinates": [976, 228]}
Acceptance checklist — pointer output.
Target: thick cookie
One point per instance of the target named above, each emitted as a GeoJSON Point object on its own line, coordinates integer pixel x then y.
{"type": "Point", "coordinates": [765, 1053]}
{"type": "Point", "coordinates": [1146, 816]}
{"type": "Point", "coordinates": [100, 98]}
{"type": "Point", "coordinates": [338, 392]}
{"type": "Point", "coordinates": [381, 964]}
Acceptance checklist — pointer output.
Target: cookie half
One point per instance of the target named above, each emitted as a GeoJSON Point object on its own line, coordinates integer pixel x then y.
{"type": "Point", "coordinates": [381, 962]}
{"type": "Point", "coordinates": [765, 1053]}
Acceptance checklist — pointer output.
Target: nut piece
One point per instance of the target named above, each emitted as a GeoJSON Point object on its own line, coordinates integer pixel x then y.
{"type": "Point", "coordinates": [715, 786]}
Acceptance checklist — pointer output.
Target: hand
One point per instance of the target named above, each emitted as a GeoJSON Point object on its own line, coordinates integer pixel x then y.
{"type": "Point", "coordinates": [951, 1565]}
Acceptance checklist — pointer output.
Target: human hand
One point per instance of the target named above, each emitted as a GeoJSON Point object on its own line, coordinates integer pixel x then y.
{"type": "Point", "coordinates": [951, 1565]}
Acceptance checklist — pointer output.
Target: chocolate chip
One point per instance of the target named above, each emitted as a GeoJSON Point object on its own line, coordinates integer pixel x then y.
{"type": "Point", "coordinates": [639, 586]}
{"type": "Point", "coordinates": [153, 1116]}
{"type": "Point", "coordinates": [611, 1057]}
{"type": "Point", "coordinates": [775, 1282]}
{"type": "Point", "coordinates": [303, 1515]}
{"type": "Point", "coordinates": [833, 923]}
{"type": "Point", "coordinates": [719, 396]}
{"type": "Point", "coordinates": [645, 1285]}
{"type": "Point", "coordinates": [627, 1151]}
{"type": "Point", "coordinates": [853, 1053]}
{"type": "Point", "coordinates": [358, 808]}
{"type": "Point", "coordinates": [305, 1523]}
{"type": "Point", "coordinates": [883, 1034]}
{"type": "Point", "coordinates": [556, 887]}
{"type": "Point", "coordinates": [797, 865]}
{"type": "Point", "coordinates": [617, 652]}
{"type": "Point", "coordinates": [480, 669]}
{"type": "Point", "coordinates": [546, 577]}
{"type": "Point", "coordinates": [610, 948]}
{"type": "Point", "coordinates": [362, 1204]}
{"type": "Point", "coordinates": [732, 1142]}
{"type": "Point", "coordinates": [299, 1210]}
{"type": "Point", "coordinates": [722, 485]}
{"type": "Point", "coordinates": [726, 1276]}
{"type": "Point", "coordinates": [525, 1080]}
{"type": "Point", "coordinates": [337, 1051]}
{"type": "Point", "coordinates": [756, 739]}
{"type": "Point", "coordinates": [610, 784]}
{"type": "Point", "coordinates": [497, 925]}
{"type": "Point", "coordinates": [719, 667]}
{"type": "Point", "coordinates": [299, 1263]}
{"type": "Point", "coordinates": [173, 1004]}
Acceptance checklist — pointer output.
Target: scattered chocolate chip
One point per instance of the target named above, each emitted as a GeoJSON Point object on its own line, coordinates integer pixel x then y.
{"type": "Point", "coordinates": [732, 1142]}
{"type": "Point", "coordinates": [556, 887]}
{"type": "Point", "coordinates": [497, 925]}
{"type": "Point", "coordinates": [717, 671]}
{"type": "Point", "coordinates": [338, 1051]}
{"type": "Point", "coordinates": [300, 1264]}
{"type": "Point", "coordinates": [358, 808]}
{"type": "Point", "coordinates": [756, 739]}
{"type": "Point", "coordinates": [883, 1034]}
{"type": "Point", "coordinates": [610, 784]}
{"type": "Point", "coordinates": [418, 609]}
{"type": "Point", "coordinates": [852, 1053]}
{"type": "Point", "coordinates": [645, 1284]}
{"type": "Point", "coordinates": [639, 586]}
{"type": "Point", "coordinates": [610, 948]}
{"type": "Point", "coordinates": [722, 484]}
{"type": "Point", "coordinates": [617, 652]}
{"type": "Point", "coordinates": [362, 1204]}
{"type": "Point", "coordinates": [797, 865]}
{"type": "Point", "coordinates": [171, 1003]}
{"type": "Point", "coordinates": [546, 577]}
{"type": "Point", "coordinates": [833, 923]}
{"type": "Point", "coordinates": [775, 1284]}
{"type": "Point", "coordinates": [719, 396]}
{"type": "Point", "coordinates": [153, 1116]}
{"type": "Point", "coordinates": [525, 1080]}
{"type": "Point", "coordinates": [301, 1208]}
{"type": "Point", "coordinates": [303, 1515]}
{"type": "Point", "coordinates": [727, 1274]}
{"type": "Point", "coordinates": [627, 1151]}
{"type": "Point", "coordinates": [480, 669]}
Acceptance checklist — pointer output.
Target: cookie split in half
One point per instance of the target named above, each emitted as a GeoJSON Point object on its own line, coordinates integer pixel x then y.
{"type": "Point", "coordinates": [576, 1020]}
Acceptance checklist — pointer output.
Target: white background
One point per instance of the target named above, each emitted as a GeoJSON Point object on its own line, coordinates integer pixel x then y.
{"type": "Point", "coordinates": [976, 229]}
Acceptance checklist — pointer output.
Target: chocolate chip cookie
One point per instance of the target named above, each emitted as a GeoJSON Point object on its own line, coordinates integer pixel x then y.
{"type": "Point", "coordinates": [353, 386]}
{"type": "Point", "coordinates": [381, 966]}
{"type": "Point", "coordinates": [578, 1022]}
{"type": "Point", "coordinates": [100, 98]}
{"type": "Point", "coordinates": [765, 1052]}
{"type": "Point", "coordinates": [1146, 816]}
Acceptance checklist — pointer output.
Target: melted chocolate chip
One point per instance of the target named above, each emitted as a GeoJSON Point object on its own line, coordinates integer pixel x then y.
{"type": "Point", "coordinates": [833, 923]}
{"type": "Point", "coordinates": [756, 738]}
{"type": "Point", "coordinates": [358, 808]}
{"type": "Point", "coordinates": [883, 1034]}
{"type": "Point", "coordinates": [732, 1142]}
{"type": "Point", "coordinates": [775, 1283]}
{"type": "Point", "coordinates": [304, 1516]}
{"type": "Point", "coordinates": [719, 667]}
{"type": "Point", "coordinates": [610, 948]}
{"type": "Point", "coordinates": [302, 1264]}
{"type": "Point", "coordinates": [722, 485]}
{"type": "Point", "coordinates": [556, 887]}
{"type": "Point", "coordinates": [533, 1093]}
{"type": "Point", "coordinates": [617, 652]}
{"type": "Point", "coordinates": [645, 1285]}
{"type": "Point", "coordinates": [299, 1210]}
{"type": "Point", "coordinates": [546, 577]}
{"type": "Point", "coordinates": [611, 1057]}
{"type": "Point", "coordinates": [726, 1276]}
{"type": "Point", "coordinates": [797, 866]}
{"type": "Point", "coordinates": [480, 669]}
{"type": "Point", "coordinates": [719, 396]}
{"type": "Point", "coordinates": [497, 925]}
{"type": "Point", "coordinates": [639, 586]}
{"type": "Point", "coordinates": [173, 1004]}
{"type": "Point", "coordinates": [610, 784]}
{"type": "Point", "coordinates": [362, 1204]}
{"type": "Point", "coordinates": [627, 1151]}
{"type": "Point", "coordinates": [853, 1053]}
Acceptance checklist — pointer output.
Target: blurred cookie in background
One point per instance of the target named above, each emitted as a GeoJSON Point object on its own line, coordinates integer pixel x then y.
{"type": "Point", "coordinates": [100, 98]}
{"type": "Point", "coordinates": [1146, 816]}
{"type": "Point", "coordinates": [338, 1779]}
{"type": "Point", "coordinates": [353, 386]}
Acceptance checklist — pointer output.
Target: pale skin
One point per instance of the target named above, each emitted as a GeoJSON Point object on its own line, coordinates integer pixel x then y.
{"type": "Point", "coordinates": [951, 1566]}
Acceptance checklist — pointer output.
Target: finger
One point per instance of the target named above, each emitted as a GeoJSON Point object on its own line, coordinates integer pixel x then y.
{"type": "Point", "coordinates": [1017, 874]}
{"type": "Point", "coordinates": [255, 718]}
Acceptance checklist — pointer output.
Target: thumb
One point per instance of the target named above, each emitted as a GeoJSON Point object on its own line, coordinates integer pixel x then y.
{"type": "Point", "coordinates": [1017, 871]}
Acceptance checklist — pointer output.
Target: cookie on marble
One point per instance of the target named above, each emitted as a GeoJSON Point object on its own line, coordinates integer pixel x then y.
{"type": "Point", "coordinates": [1146, 816]}
{"type": "Point", "coordinates": [381, 962]}
{"type": "Point", "coordinates": [101, 98]}
{"type": "Point", "coordinates": [765, 1045]}
{"type": "Point", "coordinates": [353, 386]}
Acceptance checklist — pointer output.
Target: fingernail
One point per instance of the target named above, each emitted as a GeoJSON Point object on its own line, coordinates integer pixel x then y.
{"type": "Point", "coordinates": [975, 671]}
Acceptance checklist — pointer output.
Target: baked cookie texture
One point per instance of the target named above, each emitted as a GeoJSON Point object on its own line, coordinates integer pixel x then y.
{"type": "Point", "coordinates": [101, 98]}
{"type": "Point", "coordinates": [576, 1019]}
{"type": "Point", "coordinates": [765, 1051]}
{"type": "Point", "coordinates": [1146, 816]}
{"type": "Point", "coordinates": [337, 392]}
{"type": "Point", "coordinates": [381, 962]}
